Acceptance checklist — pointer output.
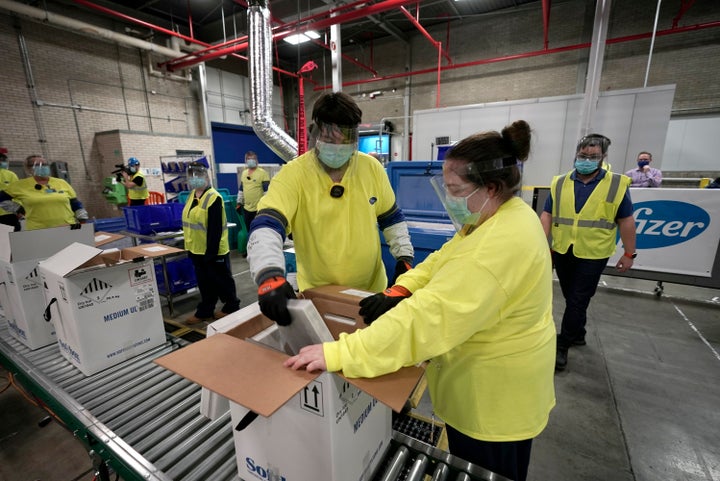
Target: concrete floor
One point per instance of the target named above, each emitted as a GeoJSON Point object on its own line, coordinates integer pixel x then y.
{"type": "Point", "coordinates": [639, 402]}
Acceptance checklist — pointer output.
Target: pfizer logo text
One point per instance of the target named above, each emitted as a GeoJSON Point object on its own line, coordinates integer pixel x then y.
{"type": "Point", "coordinates": [662, 223]}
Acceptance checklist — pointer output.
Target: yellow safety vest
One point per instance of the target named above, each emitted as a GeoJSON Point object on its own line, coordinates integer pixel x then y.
{"type": "Point", "coordinates": [136, 191]}
{"type": "Point", "coordinates": [592, 232]}
{"type": "Point", "coordinates": [194, 222]}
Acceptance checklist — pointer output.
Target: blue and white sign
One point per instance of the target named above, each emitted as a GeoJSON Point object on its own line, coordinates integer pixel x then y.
{"type": "Point", "coordinates": [677, 230]}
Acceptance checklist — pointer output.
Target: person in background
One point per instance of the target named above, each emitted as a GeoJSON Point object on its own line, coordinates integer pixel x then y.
{"type": "Point", "coordinates": [254, 182]}
{"type": "Point", "coordinates": [332, 200]}
{"type": "Point", "coordinates": [206, 239]}
{"type": "Point", "coordinates": [46, 201]}
{"type": "Point", "coordinates": [583, 213]}
{"type": "Point", "coordinates": [479, 313]}
{"type": "Point", "coordinates": [644, 175]}
{"type": "Point", "coordinates": [135, 182]}
{"type": "Point", "coordinates": [7, 177]}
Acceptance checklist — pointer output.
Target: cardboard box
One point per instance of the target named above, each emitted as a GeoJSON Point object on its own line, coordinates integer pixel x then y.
{"type": "Point", "coordinates": [104, 238]}
{"type": "Point", "coordinates": [23, 299]}
{"type": "Point", "coordinates": [106, 304]}
{"type": "Point", "coordinates": [311, 426]}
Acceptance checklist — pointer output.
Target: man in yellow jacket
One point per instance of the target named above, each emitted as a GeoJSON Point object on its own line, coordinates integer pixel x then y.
{"type": "Point", "coordinates": [583, 213]}
{"type": "Point", "coordinates": [135, 183]}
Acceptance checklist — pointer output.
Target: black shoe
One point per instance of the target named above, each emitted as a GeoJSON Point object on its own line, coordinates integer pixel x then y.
{"type": "Point", "coordinates": [579, 342]}
{"type": "Point", "coordinates": [561, 359]}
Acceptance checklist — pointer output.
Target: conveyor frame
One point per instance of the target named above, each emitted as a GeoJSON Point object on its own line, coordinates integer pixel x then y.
{"type": "Point", "coordinates": [143, 421]}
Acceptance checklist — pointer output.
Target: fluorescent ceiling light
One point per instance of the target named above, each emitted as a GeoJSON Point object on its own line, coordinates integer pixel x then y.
{"type": "Point", "coordinates": [302, 37]}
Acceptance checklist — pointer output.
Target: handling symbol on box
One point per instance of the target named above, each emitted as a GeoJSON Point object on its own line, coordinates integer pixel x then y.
{"type": "Point", "coordinates": [311, 398]}
{"type": "Point", "coordinates": [96, 290]}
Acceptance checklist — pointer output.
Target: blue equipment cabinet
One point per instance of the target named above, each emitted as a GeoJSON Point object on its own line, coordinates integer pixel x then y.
{"type": "Point", "coordinates": [428, 222]}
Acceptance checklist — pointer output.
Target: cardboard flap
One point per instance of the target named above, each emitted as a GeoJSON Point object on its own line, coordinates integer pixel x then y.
{"type": "Point", "coordinates": [228, 366]}
{"type": "Point", "coordinates": [149, 250]}
{"type": "Point", "coordinates": [42, 243]}
{"type": "Point", "coordinates": [5, 231]}
{"type": "Point", "coordinates": [392, 389]}
{"type": "Point", "coordinates": [70, 258]}
{"type": "Point", "coordinates": [102, 238]}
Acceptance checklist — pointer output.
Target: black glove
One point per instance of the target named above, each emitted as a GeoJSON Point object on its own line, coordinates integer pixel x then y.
{"type": "Point", "coordinates": [239, 209]}
{"type": "Point", "coordinates": [375, 306]}
{"type": "Point", "coordinates": [273, 295]}
{"type": "Point", "coordinates": [401, 267]}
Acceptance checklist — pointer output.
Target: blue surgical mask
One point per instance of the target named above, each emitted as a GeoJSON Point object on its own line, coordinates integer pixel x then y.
{"type": "Point", "coordinates": [133, 170]}
{"type": "Point", "coordinates": [586, 166]}
{"type": "Point", "coordinates": [643, 163]}
{"type": "Point", "coordinates": [458, 211]}
{"type": "Point", "coordinates": [197, 182]}
{"type": "Point", "coordinates": [251, 163]}
{"type": "Point", "coordinates": [41, 170]}
{"type": "Point", "coordinates": [4, 164]}
{"type": "Point", "coordinates": [334, 155]}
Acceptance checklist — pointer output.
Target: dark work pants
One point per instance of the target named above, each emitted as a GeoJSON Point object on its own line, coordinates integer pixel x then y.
{"type": "Point", "coordinates": [578, 280]}
{"type": "Point", "coordinates": [248, 218]}
{"type": "Point", "coordinates": [11, 220]}
{"type": "Point", "coordinates": [137, 201]}
{"type": "Point", "coordinates": [215, 282]}
{"type": "Point", "coordinates": [509, 459]}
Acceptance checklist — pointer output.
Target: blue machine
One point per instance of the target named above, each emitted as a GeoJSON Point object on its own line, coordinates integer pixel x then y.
{"type": "Point", "coordinates": [428, 223]}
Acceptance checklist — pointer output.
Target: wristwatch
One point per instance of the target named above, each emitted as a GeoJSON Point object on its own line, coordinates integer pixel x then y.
{"type": "Point", "coordinates": [631, 256]}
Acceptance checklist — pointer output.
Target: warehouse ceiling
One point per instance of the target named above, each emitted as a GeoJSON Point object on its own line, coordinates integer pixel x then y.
{"type": "Point", "coordinates": [217, 21]}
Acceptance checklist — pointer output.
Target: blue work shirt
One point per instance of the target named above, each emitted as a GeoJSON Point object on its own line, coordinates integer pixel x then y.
{"type": "Point", "coordinates": [583, 191]}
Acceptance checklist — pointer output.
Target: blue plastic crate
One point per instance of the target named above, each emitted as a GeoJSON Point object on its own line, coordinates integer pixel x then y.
{"type": "Point", "coordinates": [112, 224]}
{"type": "Point", "coordinates": [181, 276]}
{"type": "Point", "coordinates": [176, 210]}
{"type": "Point", "coordinates": [147, 219]}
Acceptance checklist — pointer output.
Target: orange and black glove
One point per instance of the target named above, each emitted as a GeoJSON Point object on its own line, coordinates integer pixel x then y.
{"type": "Point", "coordinates": [402, 265]}
{"type": "Point", "coordinates": [375, 306]}
{"type": "Point", "coordinates": [273, 295]}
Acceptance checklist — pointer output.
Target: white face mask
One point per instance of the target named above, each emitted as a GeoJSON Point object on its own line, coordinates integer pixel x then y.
{"type": "Point", "coordinates": [252, 163]}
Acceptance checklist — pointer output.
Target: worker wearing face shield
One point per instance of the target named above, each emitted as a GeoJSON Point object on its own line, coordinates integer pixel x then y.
{"type": "Point", "coordinates": [46, 201]}
{"type": "Point", "coordinates": [479, 308]}
{"type": "Point", "coordinates": [332, 200]}
{"type": "Point", "coordinates": [206, 239]}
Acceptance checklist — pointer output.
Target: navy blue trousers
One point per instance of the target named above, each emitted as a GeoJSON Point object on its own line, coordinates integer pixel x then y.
{"type": "Point", "coordinates": [215, 281]}
{"type": "Point", "coordinates": [578, 280]}
{"type": "Point", "coordinates": [510, 459]}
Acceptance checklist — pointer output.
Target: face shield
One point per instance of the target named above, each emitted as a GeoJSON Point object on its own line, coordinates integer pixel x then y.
{"type": "Point", "coordinates": [197, 175]}
{"type": "Point", "coordinates": [40, 167]}
{"type": "Point", "coordinates": [454, 196]}
{"type": "Point", "coordinates": [334, 144]}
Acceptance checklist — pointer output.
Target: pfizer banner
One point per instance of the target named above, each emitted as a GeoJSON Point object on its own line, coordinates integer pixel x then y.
{"type": "Point", "coordinates": [677, 230]}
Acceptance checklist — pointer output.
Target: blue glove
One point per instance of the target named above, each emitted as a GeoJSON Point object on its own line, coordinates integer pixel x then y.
{"type": "Point", "coordinates": [273, 295]}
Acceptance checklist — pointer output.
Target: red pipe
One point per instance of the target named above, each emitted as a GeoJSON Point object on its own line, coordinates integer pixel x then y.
{"type": "Point", "coordinates": [546, 22]}
{"type": "Point", "coordinates": [536, 53]}
{"type": "Point", "coordinates": [190, 19]}
{"type": "Point", "coordinates": [684, 7]}
{"type": "Point", "coordinates": [163, 30]}
{"type": "Point", "coordinates": [425, 33]}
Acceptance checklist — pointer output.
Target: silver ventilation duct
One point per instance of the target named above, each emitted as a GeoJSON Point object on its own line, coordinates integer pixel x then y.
{"type": "Point", "coordinates": [260, 57]}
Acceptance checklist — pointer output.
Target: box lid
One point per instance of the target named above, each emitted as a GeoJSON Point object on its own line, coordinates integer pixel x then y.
{"type": "Point", "coordinates": [70, 258]}
{"type": "Point", "coordinates": [40, 243]}
{"type": "Point", "coordinates": [254, 377]}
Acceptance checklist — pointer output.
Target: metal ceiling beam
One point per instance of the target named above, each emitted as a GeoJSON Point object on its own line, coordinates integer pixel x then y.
{"type": "Point", "coordinates": [535, 53]}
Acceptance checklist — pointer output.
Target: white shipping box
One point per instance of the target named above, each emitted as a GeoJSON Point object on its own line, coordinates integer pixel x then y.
{"type": "Point", "coordinates": [107, 307]}
{"type": "Point", "coordinates": [310, 426]}
{"type": "Point", "coordinates": [23, 300]}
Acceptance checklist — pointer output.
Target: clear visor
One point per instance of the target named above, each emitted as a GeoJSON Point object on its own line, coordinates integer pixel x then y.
{"type": "Point", "coordinates": [333, 134]}
{"type": "Point", "coordinates": [454, 199]}
{"type": "Point", "coordinates": [197, 171]}
{"type": "Point", "coordinates": [39, 162]}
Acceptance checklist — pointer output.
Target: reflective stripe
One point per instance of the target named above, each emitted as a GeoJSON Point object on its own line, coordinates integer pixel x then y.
{"type": "Point", "coordinates": [614, 186]}
{"type": "Point", "coordinates": [599, 224]}
{"type": "Point", "coordinates": [199, 227]}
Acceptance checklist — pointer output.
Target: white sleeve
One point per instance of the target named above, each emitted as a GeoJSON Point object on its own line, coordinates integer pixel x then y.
{"type": "Point", "coordinates": [398, 239]}
{"type": "Point", "coordinates": [265, 254]}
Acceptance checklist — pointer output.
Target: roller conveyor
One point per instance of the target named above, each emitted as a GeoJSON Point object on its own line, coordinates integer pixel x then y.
{"type": "Point", "coordinates": [143, 421]}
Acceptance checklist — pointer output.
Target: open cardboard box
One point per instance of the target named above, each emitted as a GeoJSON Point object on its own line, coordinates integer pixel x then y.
{"type": "Point", "coordinates": [21, 292]}
{"type": "Point", "coordinates": [347, 427]}
{"type": "Point", "coordinates": [104, 304]}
